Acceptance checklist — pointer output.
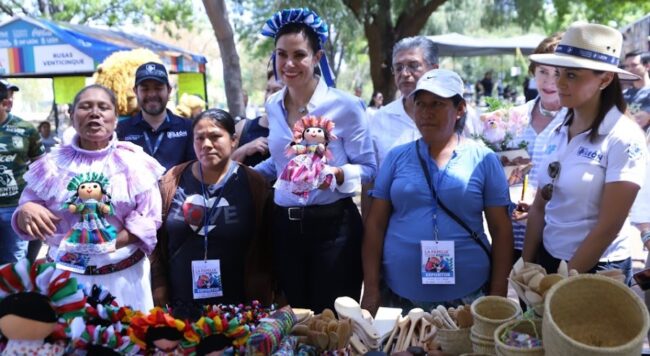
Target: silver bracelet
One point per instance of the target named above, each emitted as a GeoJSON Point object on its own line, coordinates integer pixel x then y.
{"type": "Point", "coordinates": [645, 237]}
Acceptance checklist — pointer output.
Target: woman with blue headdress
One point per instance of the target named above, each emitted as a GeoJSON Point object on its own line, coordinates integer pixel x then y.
{"type": "Point", "coordinates": [317, 240]}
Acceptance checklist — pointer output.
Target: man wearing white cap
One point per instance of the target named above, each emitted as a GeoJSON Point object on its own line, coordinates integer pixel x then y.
{"type": "Point", "coordinates": [425, 230]}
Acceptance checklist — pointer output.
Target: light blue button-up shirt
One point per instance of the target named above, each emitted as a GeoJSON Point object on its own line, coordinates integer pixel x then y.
{"type": "Point", "coordinates": [352, 150]}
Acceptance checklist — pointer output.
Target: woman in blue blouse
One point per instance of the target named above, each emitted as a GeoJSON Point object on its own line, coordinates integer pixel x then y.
{"type": "Point", "coordinates": [432, 251]}
{"type": "Point", "coordinates": [317, 241]}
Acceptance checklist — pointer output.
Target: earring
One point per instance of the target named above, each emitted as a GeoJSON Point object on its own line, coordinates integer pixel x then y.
{"type": "Point", "coordinates": [603, 88]}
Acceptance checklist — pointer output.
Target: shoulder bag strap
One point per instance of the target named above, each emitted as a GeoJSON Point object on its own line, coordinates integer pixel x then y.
{"type": "Point", "coordinates": [474, 235]}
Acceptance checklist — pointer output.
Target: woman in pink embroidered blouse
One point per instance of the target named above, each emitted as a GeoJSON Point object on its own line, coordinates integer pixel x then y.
{"type": "Point", "coordinates": [132, 194]}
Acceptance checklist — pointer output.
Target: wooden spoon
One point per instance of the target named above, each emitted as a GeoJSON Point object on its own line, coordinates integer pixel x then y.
{"type": "Point", "coordinates": [399, 324]}
{"type": "Point", "coordinates": [414, 315]}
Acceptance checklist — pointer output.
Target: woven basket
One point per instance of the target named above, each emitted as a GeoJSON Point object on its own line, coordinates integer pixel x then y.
{"type": "Point", "coordinates": [454, 341]}
{"type": "Point", "coordinates": [522, 326]}
{"type": "Point", "coordinates": [593, 315]}
{"type": "Point", "coordinates": [482, 345]}
{"type": "Point", "coordinates": [490, 312]}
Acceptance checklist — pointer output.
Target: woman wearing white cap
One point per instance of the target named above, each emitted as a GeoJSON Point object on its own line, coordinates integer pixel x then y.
{"type": "Point", "coordinates": [595, 160]}
{"type": "Point", "coordinates": [425, 227]}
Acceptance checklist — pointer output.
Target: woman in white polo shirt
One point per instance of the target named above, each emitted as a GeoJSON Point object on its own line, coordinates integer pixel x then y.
{"type": "Point", "coordinates": [595, 161]}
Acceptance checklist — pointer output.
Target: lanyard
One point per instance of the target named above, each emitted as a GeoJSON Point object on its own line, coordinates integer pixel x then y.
{"type": "Point", "coordinates": [432, 188]}
{"type": "Point", "coordinates": [159, 138]}
{"type": "Point", "coordinates": [207, 213]}
{"type": "Point", "coordinates": [147, 140]}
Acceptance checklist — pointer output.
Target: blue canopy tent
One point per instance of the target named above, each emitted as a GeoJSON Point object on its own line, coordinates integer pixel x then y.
{"type": "Point", "coordinates": [38, 48]}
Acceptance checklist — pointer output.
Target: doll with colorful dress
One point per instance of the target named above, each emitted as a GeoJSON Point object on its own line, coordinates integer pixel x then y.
{"type": "Point", "coordinates": [92, 234]}
{"type": "Point", "coordinates": [308, 168]}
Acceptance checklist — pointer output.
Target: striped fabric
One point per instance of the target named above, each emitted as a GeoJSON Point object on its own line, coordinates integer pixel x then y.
{"type": "Point", "coordinates": [536, 148]}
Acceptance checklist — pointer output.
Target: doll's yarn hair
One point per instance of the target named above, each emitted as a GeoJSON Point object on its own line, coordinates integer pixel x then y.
{"type": "Point", "coordinates": [159, 323]}
{"type": "Point", "coordinates": [313, 121]}
{"type": "Point", "coordinates": [22, 279]}
{"type": "Point", "coordinates": [88, 177]}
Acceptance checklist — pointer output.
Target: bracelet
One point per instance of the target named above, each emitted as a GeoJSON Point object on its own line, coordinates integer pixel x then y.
{"type": "Point", "coordinates": [645, 237]}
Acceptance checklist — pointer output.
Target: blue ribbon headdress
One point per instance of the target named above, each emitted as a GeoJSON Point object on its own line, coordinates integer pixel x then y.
{"type": "Point", "coordinates": [309, 18]}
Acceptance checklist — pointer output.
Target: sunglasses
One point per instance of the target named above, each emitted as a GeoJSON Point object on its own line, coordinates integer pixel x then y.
{"type": "Point", "coordinates": [553, 171]}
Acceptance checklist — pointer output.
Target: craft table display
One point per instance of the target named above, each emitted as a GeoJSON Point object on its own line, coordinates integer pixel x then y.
{"type": "Point", "coordinates": [43, 311]}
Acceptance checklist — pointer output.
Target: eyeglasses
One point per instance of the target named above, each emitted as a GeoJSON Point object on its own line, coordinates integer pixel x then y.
{"type": "Point", "coordinates": [553, 171]}
{"type": "Point", "coordinates": [411, 67]}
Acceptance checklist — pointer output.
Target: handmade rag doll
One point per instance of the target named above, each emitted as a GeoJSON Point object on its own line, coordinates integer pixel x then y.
{"type": "Point", "coordinates": [92, 234]}
{"type": "Point", "coordinates": [34, 299]}
{"type": "Point", "coordinates": [308, 168]}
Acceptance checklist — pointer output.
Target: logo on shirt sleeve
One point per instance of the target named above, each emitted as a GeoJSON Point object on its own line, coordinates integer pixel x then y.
{"type": "Point", "coordinates": [634, 151]}
{"type": "Point", "coordinates": [594, 155]}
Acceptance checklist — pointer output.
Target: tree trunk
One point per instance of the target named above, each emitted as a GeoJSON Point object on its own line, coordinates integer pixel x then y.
{"type": "Point", "coordinates": [376, 17]}
{"type": "Point", "coordinates": [218, 15]}
{"type": "Point", "coordinates": [381, 37]}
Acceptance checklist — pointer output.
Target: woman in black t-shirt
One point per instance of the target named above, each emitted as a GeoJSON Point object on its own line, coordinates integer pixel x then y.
{"type": "Point", "coordinates": [212, 247]}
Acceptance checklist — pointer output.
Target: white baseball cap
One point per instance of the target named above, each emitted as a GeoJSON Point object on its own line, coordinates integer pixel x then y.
{"type": "Point", "coordinates": [442, 82]}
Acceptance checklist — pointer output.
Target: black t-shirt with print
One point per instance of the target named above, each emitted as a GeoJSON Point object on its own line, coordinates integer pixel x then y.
{"type": "Point", "coordinates": [231, 226]}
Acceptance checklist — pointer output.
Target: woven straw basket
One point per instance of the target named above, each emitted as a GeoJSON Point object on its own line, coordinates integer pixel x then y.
{"type": "Point", "coordinates": [593, 315]}
{"type": "Point", "coordinates": [490, 312]}
{"type": "Point", "coordinates": [454, 341]}
{"type": "Point", "coordinates": [480, 344]}
{"type": "Point", "coordinates": [523, 326]}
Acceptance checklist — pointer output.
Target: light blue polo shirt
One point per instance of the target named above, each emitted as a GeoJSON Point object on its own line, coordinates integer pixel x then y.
{"type": "Point", "coordinates": [473, 180]}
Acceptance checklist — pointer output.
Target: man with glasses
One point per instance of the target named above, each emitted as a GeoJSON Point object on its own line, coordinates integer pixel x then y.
{"type": "Point", "coordinates": [393, 124]}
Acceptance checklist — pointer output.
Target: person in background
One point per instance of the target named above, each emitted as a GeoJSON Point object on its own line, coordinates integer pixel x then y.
{"type": "Point", "coordinates": [358, 91]}
{"type": "Point", "coordinates": [416, 253]}
{"type": "Point", "coordinates": [376, 102]}
{"type": "Point", "coordinates": [163, 135]}
{"type": "Point", "coordinates": [20, 144]}
{"type": "Point", "coordinates": [595, 161]}
{"type": "Point", "coordinates": [190, 105]}
{"type": "Point", "coordinates": [544, 114]}
{"type": "Point", "coordinates": [637, 96]}
{"type": "Point", "coordinates": [317, 241]}
{"type": "Point", "coordinates": [487, 85]}
{"type": "Point", "coordinates": [252, 134]}
{"type": "Point", "coordinates": [393, 124]}
{"type": "Point", "coordinates": [234, 236]}
{"type": "Point", "coordinates": [49, 140]}
{"type": "Point", "coordinates": [130, 183]}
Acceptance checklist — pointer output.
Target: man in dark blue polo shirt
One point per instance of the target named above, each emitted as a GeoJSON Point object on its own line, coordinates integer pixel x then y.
{"type": "Point", "coordinates": [163, 135]}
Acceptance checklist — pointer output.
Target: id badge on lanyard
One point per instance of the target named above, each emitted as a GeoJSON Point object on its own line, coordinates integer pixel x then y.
{"type": "Point", "coordinates": [438, 262]}
{"type": "Point", "coordinates": [206, 274]}
{"type": "Point", "coordinates": [71, 261]}
{"type": "Point", "coordinates": [206, 279]}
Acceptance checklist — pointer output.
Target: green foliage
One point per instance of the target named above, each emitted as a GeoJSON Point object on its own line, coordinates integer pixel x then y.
{"type": "Point", "coordinates": [110, 12]}
{"type": "Point", "coordinates": [555, 15]}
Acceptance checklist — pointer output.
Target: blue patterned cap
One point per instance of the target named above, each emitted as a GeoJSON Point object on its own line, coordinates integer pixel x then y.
{"type": "Point", "coordinates": [309, 18]}
{"type": "Point", "coordinates": [287, 16]}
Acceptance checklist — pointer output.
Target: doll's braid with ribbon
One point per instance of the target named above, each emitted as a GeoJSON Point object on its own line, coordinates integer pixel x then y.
{"type": "Point", "coordinates": [312, 21]}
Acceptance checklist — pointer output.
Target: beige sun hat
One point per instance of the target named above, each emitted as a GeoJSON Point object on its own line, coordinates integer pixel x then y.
{"type": "Point", "coordinates": [588, 46]}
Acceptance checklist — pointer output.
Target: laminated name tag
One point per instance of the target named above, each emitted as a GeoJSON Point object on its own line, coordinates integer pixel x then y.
{"type": "Point", "coordinates": [206, 279]}
{"type": "Point", "coordinates": [72, 261]}
{"type": "Point", "coordinates": [438, 263]}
